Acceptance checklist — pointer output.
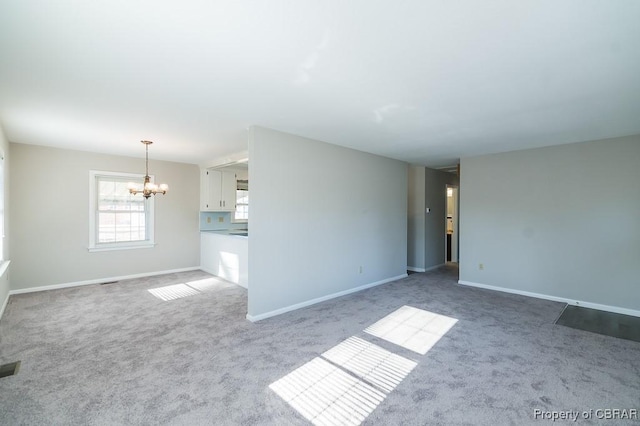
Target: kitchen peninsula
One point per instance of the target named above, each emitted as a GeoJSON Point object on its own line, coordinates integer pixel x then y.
{"type": "Point", "coordinates": [225, 253]}
{"type": "Point", "coordinates": [224, 227]}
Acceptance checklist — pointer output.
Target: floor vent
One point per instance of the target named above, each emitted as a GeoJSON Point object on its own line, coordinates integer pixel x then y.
{"type": "Point", "coordinates": [9, 369]}
{"type": "Point", "coordinates": [109, 282]}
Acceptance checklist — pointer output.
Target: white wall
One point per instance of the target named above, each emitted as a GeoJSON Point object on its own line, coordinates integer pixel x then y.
{"type": "Point", "coordinates": [50, 204]}
{"type": "Point", "coordinates": [4, 279]}
{"type": "Point", "coordinates": [560, 221]}
{"type": "Point", "coordinates": [318, 213]}
{"type": "Point", "coordinates": [426, 232]}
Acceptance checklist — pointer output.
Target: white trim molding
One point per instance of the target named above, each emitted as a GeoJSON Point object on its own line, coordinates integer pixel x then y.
{"type": "Point", "coordinates": [259, 317]}
{"type": "Point", "coordinates": [430, 268]}
{"type": "Point", "coordinates": [607, 308]}
{"type": "Point", "coordinates": [100, 280]}
{"type": "Point", "coordinates": [4, 265]}
{"type": "Point", "coordinates": [149, 203]}
{"type": "Point", "coordinates": [215, 274]}
{"type": "Point", "coordinates": [4, 305]}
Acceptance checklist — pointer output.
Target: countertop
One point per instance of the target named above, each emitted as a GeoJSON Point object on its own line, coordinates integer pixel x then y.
{"type": "Point", "coordinates": [242, 233]}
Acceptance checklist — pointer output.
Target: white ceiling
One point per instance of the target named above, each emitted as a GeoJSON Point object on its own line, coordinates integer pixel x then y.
{"type": "Point", "coordinates": [423, 81]}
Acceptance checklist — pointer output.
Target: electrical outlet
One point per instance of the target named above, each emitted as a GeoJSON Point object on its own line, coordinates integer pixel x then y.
{"type": "Point", "coordinates": [208, 219]}
{"type": "Point", "coordinates": [220, 219]}
{"type": "Point", "coordinates": [481, 266]}
{"type": "Point", "coordinates": [360, 270]}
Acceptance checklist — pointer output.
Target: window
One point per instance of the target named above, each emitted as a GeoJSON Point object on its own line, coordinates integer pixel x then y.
{"type": "Point", "coordinates": [1, 206]}
{"type": "Point", "coordinates": [118, 220]}
{"type": "Point", "coordinates": [242, 201]}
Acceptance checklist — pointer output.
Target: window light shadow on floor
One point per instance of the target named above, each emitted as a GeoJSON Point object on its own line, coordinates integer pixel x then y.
{"type": "Point", "coordinates": [325, 394]}
{"type": "Point", "coordinates": [171, 292]}
{"type": "Point", "coordinates": [345, 384]}
{"type": "Point", "coordinates": [210, 284]}
{"type": "Point", "coordinates": [191, 288]}
{"type": "Point", "coordinates": [412, 328]}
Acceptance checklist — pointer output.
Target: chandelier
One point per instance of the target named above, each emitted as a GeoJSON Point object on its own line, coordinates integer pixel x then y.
{"type": "Point", "coordinates": [149, 188]}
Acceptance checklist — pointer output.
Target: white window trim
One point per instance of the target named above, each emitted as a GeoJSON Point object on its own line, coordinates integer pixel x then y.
{"type": "Point", "coordinates": [233, 214]}
{"type": "Point", "coordinates": [93, 198]}
{"type": "Point", "coordinates": [4, 263]}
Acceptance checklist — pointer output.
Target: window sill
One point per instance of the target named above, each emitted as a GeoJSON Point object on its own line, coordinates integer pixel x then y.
{"type": "Point", "coordinates": [121, 247]}
{"type": "Point", "coordinates": [4, 265]}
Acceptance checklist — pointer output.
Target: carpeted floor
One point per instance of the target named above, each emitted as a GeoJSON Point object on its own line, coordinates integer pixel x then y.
{"type": "Point", "coordinates": [185, 355]}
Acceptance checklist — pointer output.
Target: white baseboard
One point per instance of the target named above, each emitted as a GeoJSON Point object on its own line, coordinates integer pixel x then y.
{"type": "Point", "coordinates": [212, 272]}
{"type": "Point", "coordinates": [608, 308]}
{"type": "Point", "coordinates": [100, 280]}
{"type": "Point", "coordinates": [207, 270]}
{"type": "Point", "coordinates": [430, 268]}
{"type": "Point", "coordinates": [254, 318]}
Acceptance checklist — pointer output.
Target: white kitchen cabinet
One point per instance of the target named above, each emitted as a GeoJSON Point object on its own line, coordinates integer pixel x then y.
{"type": "Point", "coordinates": [217, 191]}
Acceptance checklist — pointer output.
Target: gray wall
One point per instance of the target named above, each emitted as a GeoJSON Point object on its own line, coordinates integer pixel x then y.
{"type": "Point", "coordinates": [416, 218]}
{"type": "Point", "coordinates": [4, 279]}
{"type": "Point", "coordinates": [318, 213]}
{"type": "Point", "coordinates": [50, 204]}
{"type": "Point", "coordinates": [426, 232]}
{"type": "Point", "coordinates": [560, 221]}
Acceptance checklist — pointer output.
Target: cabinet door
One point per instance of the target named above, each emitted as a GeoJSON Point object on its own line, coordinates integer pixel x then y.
{"type": "Point", "coordinates": [228, 191]}
{"type": "Point", "coordinates": [205, 200]}
{"type": "Point", "coordinates": [215, 190]}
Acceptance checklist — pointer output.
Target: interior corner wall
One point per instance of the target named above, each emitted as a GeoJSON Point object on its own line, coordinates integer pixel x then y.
{"type": "Point", "coordinates": [426, 231]}
{"type": "Point", "coordinates": [320, 213]}
{"type": "Point", "coordinates": [4, 279]}
{"type": "Point", "coordinates": [50, 210]}
{"type": "Point", "coordinates": [416, 219]}
{"type": "Point", "coordinates": [436, 182]}
{"type": "Point", "coordinates": [560, 221]}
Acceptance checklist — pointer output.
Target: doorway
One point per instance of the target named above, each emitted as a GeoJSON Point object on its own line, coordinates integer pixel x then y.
{"type": "Point", "coordinates": [451, 225]}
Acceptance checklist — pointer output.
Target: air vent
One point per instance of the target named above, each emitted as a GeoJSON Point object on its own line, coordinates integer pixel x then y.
{"type": "Point", "coordinates": [9, 369]}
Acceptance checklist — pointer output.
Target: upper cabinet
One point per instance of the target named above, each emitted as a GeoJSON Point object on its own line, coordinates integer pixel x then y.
{"type": "Point", "coordinates": [217, 190]}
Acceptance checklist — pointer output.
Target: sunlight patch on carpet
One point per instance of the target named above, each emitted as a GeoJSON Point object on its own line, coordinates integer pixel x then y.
{"type": "Point", "coordinates": [345, 384]}
{"type": "Point", "coordinates": [210, 284]}
{"type": "Point", "coordinates": [190, 288]}
{"type": "Point", "coordinates": [412, 328]}
{"type": "Point", "coordinates": [379, 367]}
{"type": "Point", "coordinates": [324, 394]}
{"type": "Point", "coordinates": [172, 292]}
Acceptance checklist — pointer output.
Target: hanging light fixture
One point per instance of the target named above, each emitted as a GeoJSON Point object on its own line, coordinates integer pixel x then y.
{"type": "Point", "coordinates": [149, 188]}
